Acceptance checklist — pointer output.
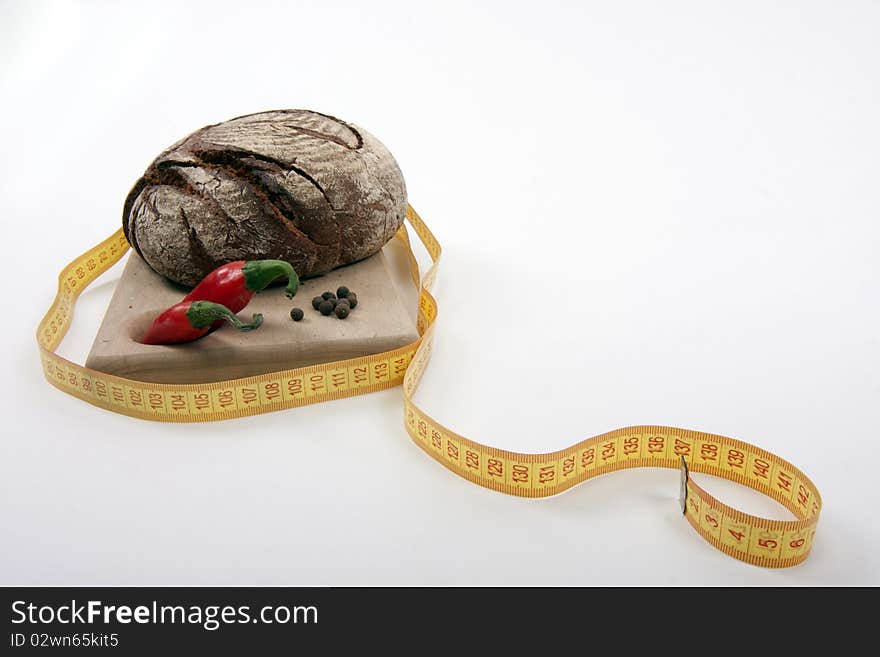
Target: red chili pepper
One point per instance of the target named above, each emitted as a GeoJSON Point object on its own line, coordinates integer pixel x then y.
{"type": "Point", "coordinates": [234, 283]}
{"type": "Point", "coordinates": [190, 320]}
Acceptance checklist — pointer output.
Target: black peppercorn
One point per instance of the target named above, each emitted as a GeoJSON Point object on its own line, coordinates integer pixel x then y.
{"type": "Point", "coordinates": [342, 292]}
{"type": "Point", "coordinates": [316, 302]}
{"type": "Point", "coordinates": [296, 314]}
{"type": "Point", "coordinates": [352, 299]}
{"type": "Point", "coordinates": [342, 310]}
{"type": "Point", "coordinates": [326, 307]}
{"type": "Point", "coordinates": [328, 295]}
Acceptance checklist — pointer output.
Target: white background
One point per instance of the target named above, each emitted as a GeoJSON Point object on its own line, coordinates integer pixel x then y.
{"type": "Point", "coordinates": [652, 213]}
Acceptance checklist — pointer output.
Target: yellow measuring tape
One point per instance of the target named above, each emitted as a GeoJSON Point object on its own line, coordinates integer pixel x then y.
{"type": "Point", "coordinates": [760, 541]}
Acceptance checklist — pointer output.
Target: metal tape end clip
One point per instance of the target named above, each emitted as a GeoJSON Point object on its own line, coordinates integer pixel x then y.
{"type": "Point", "coordinates": [683, 491]}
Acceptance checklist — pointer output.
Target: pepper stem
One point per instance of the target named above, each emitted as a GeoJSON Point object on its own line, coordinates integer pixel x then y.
{"type": "Point", "coordinates": [259, 273]}
{"type": "Point", "coordinates": [202, 314]}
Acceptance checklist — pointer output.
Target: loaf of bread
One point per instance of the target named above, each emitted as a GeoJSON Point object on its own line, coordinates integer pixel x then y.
{"type": "Point", "coordinates": [293, 185]}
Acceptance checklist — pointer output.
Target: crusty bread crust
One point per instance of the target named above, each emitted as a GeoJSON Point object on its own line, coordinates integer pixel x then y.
{"type": "Point", "coordinates": [294, 185]}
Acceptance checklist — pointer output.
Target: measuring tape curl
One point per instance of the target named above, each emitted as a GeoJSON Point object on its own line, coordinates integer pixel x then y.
{"type": "Point", "coordinates": [760, 541]}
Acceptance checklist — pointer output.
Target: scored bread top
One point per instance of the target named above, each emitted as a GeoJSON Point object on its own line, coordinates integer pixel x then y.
{"type": "Point", "coordinates": [293, 185]}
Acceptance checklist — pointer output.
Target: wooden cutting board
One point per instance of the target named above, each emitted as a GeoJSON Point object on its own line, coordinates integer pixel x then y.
{"type": "Point", "coordinates": [384, 319]}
